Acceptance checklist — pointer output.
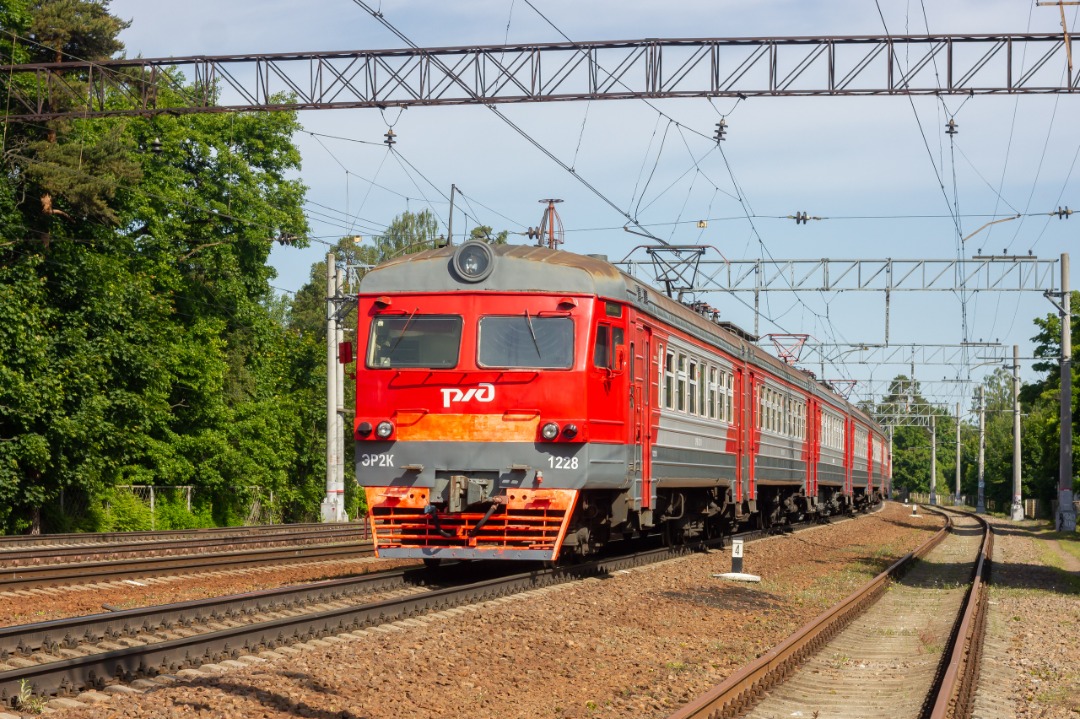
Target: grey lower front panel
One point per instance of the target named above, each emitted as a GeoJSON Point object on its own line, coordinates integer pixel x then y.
{"type": "Point", "coordinates": [682, 466]}
{"type": "Point", "coordinates": [510, 464]}
{"type": "Point", "coordinates": [465, 553]}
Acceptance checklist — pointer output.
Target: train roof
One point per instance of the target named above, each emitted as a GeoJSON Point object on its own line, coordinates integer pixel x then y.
{"type": "Point", "coordinates": [520, 268]}
{"type": "Point", "coordinates": [528, 268]}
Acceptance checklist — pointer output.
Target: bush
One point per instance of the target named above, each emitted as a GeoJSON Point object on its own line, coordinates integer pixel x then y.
{"type": "Point", "coordinates": [126, 513]}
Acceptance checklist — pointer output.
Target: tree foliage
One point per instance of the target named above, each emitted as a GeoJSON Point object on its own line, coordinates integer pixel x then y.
{"type": "Point", "coordinates": [140, 341]}
{"type": "Point", "coordinates": [1039, 433]}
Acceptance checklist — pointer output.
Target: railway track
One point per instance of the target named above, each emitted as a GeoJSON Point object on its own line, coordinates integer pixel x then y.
{"type": "Point", "coordinates": [50, 575]}
{"type": "Point", "coordinates": [905, 645]}
{"type": "Point", "coordinates": [65, 656]}
{"type": "Point", "coordinates": [74, 539]}
{"type": "Point", "coordinates": [52, 658]}
{"type": "Point", "coordinates": [29, 551]}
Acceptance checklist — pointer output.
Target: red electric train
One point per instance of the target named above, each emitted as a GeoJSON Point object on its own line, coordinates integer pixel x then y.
{"type": "Point", "coordinates": [518, 402]}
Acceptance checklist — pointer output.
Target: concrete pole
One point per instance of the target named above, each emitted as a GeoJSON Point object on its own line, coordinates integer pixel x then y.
{"type": "Point", "coordinates": [1066, 516]}
{"type": "Point", "coordinates": [956, 498]}
{"type": "Point", "coordinates": [339, 413]}
{"type": "Point", "coordinates": [889, 493]}
{"type": "Point", "coordinates": [980, 505]}
{"type": "Point", "coordinates": [1017, 505]}
{"type": "Point", "coordinates": [933, 460]}
{"type": "Point", "coordinates": [329, 505]}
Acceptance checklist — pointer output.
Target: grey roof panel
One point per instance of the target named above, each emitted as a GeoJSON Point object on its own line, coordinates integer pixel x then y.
{"type": "Point", "coordinates": [520, 268]}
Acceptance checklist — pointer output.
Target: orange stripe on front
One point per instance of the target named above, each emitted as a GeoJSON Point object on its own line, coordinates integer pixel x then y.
{"type": "Point", "coordinates": [419, 427]}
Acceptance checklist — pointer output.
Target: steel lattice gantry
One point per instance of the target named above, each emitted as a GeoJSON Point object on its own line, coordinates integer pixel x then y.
{"type": "Point", "coordinates": [683, 269]}
{"type": "Point", "coordinates": [903, 354]}
{"type": "Point", "coordinates": [897, 414]}
{"type": "Point", "coordinates": [650, 68]}
{"type": "Point", "coordinates": [990, 273]}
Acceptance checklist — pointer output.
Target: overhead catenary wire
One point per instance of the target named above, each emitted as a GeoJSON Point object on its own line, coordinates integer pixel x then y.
{"type": "Point", "coordinates": [498, 113]}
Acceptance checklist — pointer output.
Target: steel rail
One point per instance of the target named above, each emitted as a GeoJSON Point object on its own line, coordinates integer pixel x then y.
{"type": "Point", "coordinates": [740, 691]}
{"type": "Point", "coordinates": [12, 542]}
{"type": "Point", "coordinates": [49, 636]}
{"type": "Point", "coordinates": [38, 556]}
{"type": "Point", "coordinates": [956, 692]}
{"type": "Point", "coordinates": [15, 578]}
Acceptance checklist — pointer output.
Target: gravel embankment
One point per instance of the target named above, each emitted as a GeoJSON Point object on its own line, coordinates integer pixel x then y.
{"type": "Point", "coordinates": [1031, 666]}
{"type": "Point", "coordinates": [38, 605]}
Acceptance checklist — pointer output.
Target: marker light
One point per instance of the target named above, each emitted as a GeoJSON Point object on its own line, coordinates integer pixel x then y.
{"type": "Point", "coordinates": [549, 431]}
{"type": "Point", "coordinates": [473, 261]}
{"type": "Point", "coordinates": [384, 429]}
{"type": "Point", "coordinates": [570, 431]}
{"type": "Point", "coordinates": [364, 429]}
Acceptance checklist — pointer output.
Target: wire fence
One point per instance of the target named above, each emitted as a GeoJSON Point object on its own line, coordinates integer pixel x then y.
{"type": "Point", "coordinates": [1033, 508]}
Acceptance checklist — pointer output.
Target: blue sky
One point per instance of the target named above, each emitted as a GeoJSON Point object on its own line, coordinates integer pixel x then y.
{"type": "Point", "coordinates": [839, 158]}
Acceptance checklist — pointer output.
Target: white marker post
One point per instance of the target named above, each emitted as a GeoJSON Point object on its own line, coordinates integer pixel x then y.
{"type": "Point", "coordinates": [736, 573]}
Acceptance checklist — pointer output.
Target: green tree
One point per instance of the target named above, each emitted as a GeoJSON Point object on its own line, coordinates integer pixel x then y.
{"type": "Point", "coordinates": [140, 341]}
{"type": "Point", "coordinates": [912, 443]}
{"type": "Point", "coordinates": [1040, 400]}
{"type": "Point", "coordinates": [408, 233]}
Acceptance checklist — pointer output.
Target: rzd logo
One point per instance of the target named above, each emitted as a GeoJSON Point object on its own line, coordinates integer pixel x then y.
{"type": "Point", "coordinates": [483, 393]}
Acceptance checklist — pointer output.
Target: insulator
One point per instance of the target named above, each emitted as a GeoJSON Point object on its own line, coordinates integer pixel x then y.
{"type": "Point", "coordinates": [951, 128]}
{"type": "Point", "coordinates": [1062, 214]}
{"type": "Point", "coordinates": [721, 130]}
{"type": "Point", "coordinates": [389, 141]}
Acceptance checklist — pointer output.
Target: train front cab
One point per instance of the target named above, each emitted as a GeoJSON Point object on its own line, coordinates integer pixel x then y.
{"type": "Point", "coordinates": [484, 412]}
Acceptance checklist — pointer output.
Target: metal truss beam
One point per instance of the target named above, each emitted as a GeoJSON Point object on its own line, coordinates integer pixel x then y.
{"type": "Point", "coordinates": [873, 389]}
{"type": "Point", "coordinates": [965, 354]}
{"type": "Point", "coordinates": [906, 415]}
{"type": "Point", "coordinates": [545, 72]}
{"type": "Point", "coordinates": [990, 273]}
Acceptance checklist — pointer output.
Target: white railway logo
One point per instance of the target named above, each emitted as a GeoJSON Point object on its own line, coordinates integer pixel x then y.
{"type": "Point", "coordinates": [484, 392]}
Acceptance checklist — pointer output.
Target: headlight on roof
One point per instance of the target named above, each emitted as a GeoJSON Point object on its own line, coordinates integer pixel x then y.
{"type": "Point", "coordinates": [473, 261]}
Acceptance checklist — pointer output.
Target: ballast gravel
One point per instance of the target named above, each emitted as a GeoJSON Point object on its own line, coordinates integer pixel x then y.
{"type": "Point", "coordinates": [635, 644]}
{"type": "Point", "coordinates": [44, 604]}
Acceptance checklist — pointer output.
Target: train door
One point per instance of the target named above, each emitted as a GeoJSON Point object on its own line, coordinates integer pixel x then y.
{"type": "Point", "coordinates": [749, 432]}
{"type": "Point", "coordinates": [813, 446]}
{"type": "Point", "coordinates": [849, 456]}
{"type": "Point", "coordinates": [640, 408]}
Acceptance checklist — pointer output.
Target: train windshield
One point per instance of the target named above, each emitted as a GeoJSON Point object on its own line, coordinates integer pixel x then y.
{"type": "Point", "coordinates": [427, 341]}
{"type": "Point", "coordinates": [526, 341]}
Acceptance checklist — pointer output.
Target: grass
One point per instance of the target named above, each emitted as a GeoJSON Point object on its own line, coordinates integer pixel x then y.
{"type": "Point", "coordinates": [839, 661]}
{"type": "Point", "coordinates": [27, 701]}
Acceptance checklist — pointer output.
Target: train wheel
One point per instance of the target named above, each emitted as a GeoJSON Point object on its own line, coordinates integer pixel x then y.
{"type": "Point", "coordinates": [432, 562]}
{"type": "Point", "coordinates": [673, 534]}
